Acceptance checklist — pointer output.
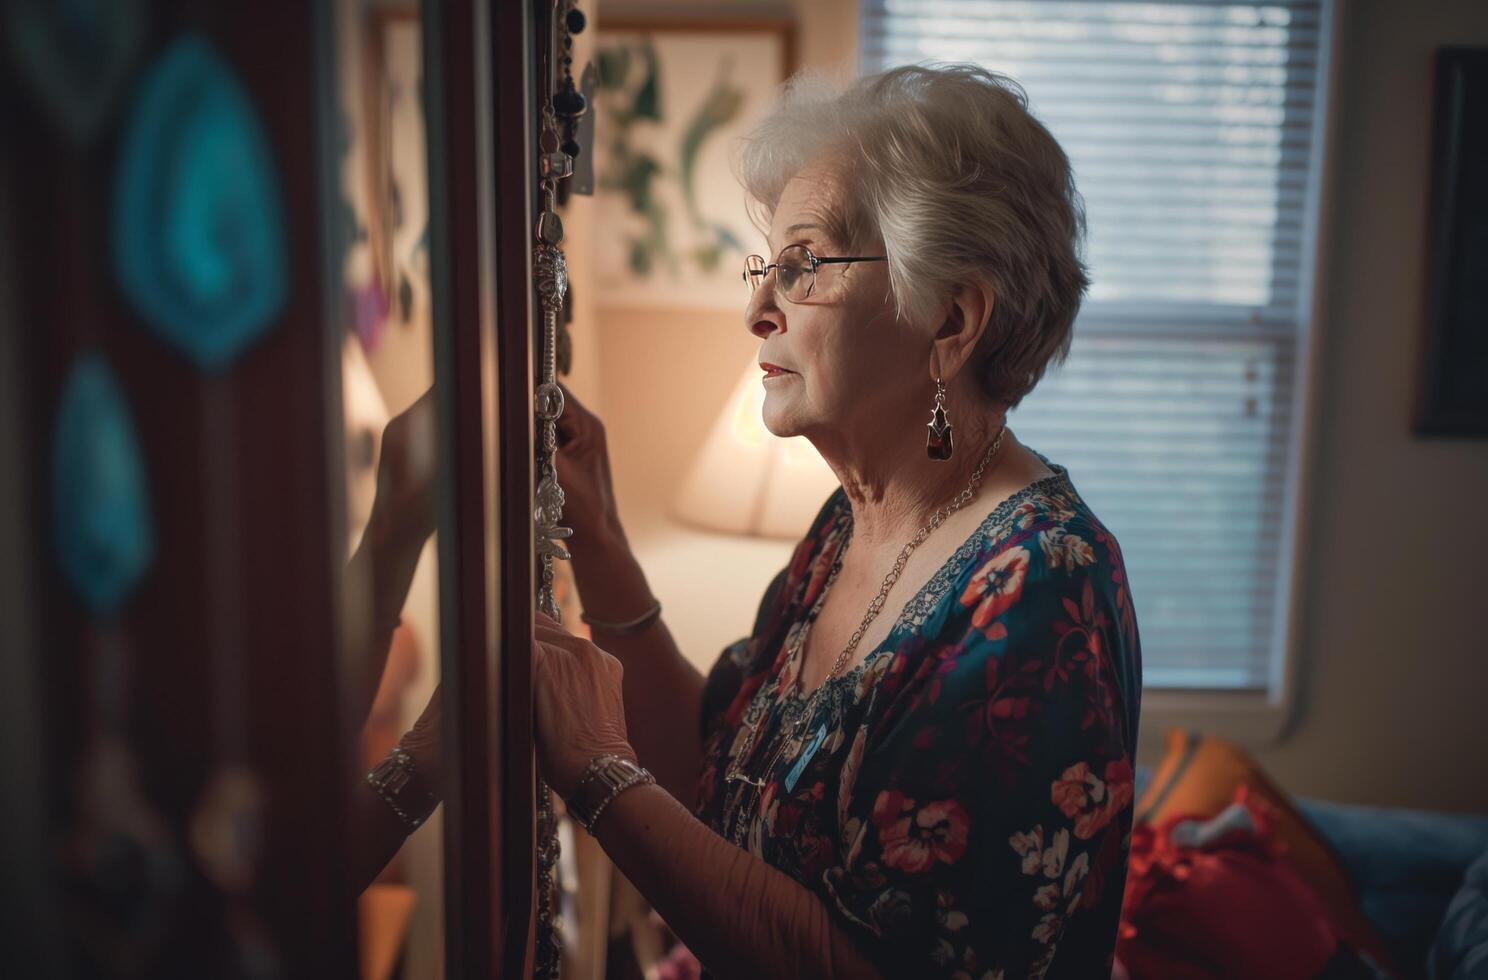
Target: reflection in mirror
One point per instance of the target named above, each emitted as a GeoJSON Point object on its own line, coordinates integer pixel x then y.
{"type": "Point", "coordinates": [654, 269]}
{"type": "Point", "coordinates": [391, 585]}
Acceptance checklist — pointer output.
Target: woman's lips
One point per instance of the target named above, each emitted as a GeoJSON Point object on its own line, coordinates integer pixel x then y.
{"type": "Point", "coordinates": [774, 370]}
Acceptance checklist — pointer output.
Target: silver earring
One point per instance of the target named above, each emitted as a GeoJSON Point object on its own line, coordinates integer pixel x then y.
{"type": "Point", "coordinates": [939, 444]}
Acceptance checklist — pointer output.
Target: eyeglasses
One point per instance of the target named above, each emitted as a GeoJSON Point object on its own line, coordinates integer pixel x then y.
{"type": "Point", "coordinates": [795, 270]}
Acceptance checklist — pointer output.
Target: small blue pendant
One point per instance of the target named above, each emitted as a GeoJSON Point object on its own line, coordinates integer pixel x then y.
{"type": "Point", "coordinates": [101, 524]}
{"type": "Point", "coordinates": [805, 757]}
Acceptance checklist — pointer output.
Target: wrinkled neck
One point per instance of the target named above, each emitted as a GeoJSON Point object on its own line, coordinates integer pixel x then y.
{"type": "Point", "coordinates": [894, 488]}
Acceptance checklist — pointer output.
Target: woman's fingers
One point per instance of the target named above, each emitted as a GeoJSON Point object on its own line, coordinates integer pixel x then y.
{"type": "Point", "coordinates": [569, 431]}
{"type": "Point", "coordinates": [570, 428]}
{"type": "Point", "coordinates": [572, 408]}
{"type": "Point", "coordinates": [569, 401]}
{"type": "Point", "coordinates": [576, 421]}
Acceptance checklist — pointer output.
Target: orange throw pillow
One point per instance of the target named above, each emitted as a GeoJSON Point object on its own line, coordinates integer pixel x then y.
{"type": "Point", "coordinates": [1198, 775]}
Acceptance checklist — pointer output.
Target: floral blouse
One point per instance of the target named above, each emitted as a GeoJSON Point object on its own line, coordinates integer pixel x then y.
{"type": "Point", "coordinates": [962, 800]}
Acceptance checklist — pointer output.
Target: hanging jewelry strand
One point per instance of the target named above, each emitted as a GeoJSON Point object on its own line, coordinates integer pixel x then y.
{"type": "Point", "coordinates": [550, 278]}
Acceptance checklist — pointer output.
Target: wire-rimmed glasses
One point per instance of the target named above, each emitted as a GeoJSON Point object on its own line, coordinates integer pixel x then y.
{"type": "Point", "coordinates": [795, 270]}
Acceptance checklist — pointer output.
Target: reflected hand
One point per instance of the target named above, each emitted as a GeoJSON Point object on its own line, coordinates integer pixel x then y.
{"type": "Point", "coordinates": [580, 711]}
{"type": "Point", "coordinates": [583, 462]}
{"type": "Point", "coordinates": [404, 504]}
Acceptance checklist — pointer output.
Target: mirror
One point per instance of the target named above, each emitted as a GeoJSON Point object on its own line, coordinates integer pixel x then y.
{"type": "Point", "coordinates": [387, 367]}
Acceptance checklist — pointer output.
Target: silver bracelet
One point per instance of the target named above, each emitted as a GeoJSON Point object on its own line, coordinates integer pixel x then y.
{"type": "Point", "coordinates": [606, 778]}
{"type": "Point", "coordinates": [631, 626]}
{"type": "Point", "coordinates": [397, 780]}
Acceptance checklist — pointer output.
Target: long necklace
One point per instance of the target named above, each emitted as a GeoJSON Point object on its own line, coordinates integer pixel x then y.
{"type": "Point", "coordinates": [550, 278]}
{"type": "Point", "coordinates": [736, 772]}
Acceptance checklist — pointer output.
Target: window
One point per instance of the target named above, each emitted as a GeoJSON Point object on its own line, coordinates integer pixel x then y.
{"type": "Point", "coordinates": [1193, 130]}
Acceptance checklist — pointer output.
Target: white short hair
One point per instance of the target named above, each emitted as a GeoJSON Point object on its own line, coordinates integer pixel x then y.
{"type": "Point", "coordinates": [960, 182]}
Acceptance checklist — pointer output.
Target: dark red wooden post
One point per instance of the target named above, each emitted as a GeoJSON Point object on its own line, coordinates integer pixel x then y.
{"type": "Point", "coordinates": [188, 749]}
{"type": "Point", "coordinates": [481, 180]}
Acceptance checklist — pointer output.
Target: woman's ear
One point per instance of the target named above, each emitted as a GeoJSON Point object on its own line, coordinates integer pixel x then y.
{"type": "Point", "coordinates": [965, 323]}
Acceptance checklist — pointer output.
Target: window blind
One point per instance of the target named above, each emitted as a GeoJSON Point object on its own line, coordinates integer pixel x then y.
{"type": "Point", "coordinates": [1190, 126]}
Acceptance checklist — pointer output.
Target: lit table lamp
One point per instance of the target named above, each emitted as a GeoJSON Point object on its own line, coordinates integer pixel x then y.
{"type": "Point", "coordinates": [747, 481]}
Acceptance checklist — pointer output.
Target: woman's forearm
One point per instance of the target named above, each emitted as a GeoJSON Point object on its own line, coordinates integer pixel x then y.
{"type": "Point", "coordinates": [376, 834]}
{"type": "Point", "coordinates": [663, 692]}
{"type": "Point", "coordinates": [377, 580]}
{"type": "Point", "coordinates": [740, 916]}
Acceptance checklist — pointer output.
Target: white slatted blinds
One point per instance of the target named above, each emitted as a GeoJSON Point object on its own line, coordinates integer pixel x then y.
{"type": "Point", "coordinates": [1190, 126]}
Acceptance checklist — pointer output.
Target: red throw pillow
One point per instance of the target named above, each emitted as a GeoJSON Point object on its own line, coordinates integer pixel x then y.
{"type": "Point", "coordinates": [1199, 774]}
{"type": "Point", "coordinates": [1226, 906]}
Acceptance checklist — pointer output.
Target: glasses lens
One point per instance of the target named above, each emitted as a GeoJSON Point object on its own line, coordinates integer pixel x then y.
{"type": "Point", "coordinates": [754, 271]}
{"type": "Point", "coordinates": [795, 274]}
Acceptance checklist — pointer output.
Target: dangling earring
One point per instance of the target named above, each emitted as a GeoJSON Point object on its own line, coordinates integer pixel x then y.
{"type": "Point", "coordinates": [939, 445]}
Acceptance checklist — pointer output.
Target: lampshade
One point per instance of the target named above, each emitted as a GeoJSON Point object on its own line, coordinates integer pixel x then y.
{"type": "Point", "coordinates": [747, 481]}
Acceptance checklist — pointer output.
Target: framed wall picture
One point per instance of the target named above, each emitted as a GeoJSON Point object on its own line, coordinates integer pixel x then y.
{"type": "Point", "coordinates": [1452, 398]}
{"type": "Point", "coordinates": [673, 100]}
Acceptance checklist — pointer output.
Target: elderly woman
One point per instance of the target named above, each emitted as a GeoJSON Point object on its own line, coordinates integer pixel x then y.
{"type": "Point", "coordinates": [920, 761]}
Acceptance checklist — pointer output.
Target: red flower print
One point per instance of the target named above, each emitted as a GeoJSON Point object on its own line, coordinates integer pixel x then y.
{"type": "Point", "coordinates": [889, 807]}
{"type": "Point", "coordinates": [945, 659]}
{"type": "Point", "coordinates": [913, 840]}
{"type": "Point", "coordinates": [1072, 791]}
{"type": "Point", "coordinates": [788, 819]}
{"type": "Point", "coordinates": [1127, 618]}
{"type": "Point", "coordinates": [1110, 857]}
{"type": "Point", "coordinates": [1004, 725]}
{"type": "Point", "coordinates": [1080, 652]}
{"type": "Point", "coordinates": [1094, 820]}
{"type": "Point", "coordinates": [1008, 709]}
{"type": "Point", "coordinates": [1120, 783]}
{"type": "Point", "coordinates": [1093, 802]}
{"type": "Point", "coordinates": [801, 559]}
{"type": "Point", "coordinates": [995, 587]}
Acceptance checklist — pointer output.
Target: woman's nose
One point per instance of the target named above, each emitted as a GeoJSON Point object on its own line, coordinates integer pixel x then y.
{"type": "Point", "coordinates": [762, 314]}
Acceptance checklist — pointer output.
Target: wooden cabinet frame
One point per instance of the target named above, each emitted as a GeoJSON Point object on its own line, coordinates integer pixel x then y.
{"type": "Point", "coordinates": [481, 183]}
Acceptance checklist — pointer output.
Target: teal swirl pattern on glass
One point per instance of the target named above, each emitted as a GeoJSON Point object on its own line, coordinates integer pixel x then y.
{"type": "Point", "coordinates": [199, 241]}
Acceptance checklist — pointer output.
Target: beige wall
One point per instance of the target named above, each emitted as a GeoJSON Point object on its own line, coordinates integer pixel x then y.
{"type": "Point", "coordinates": [1395, 664]}
{"type": "Point", "coordinates": [1396, 672]}
{"type": "Point", "coordinates": [658, 378]}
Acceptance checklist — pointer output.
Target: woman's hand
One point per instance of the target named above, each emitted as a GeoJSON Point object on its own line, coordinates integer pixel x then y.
{"type": "Point", "coordinates": [403, 509]}
{"type": "Point", "coordinates": [580, 713]}
{"type": "Point", "coordinates": [584, 472]}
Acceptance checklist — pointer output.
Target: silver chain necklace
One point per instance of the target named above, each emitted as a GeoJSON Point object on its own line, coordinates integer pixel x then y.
{"type": "Point", "coordinates": [736, 772]}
